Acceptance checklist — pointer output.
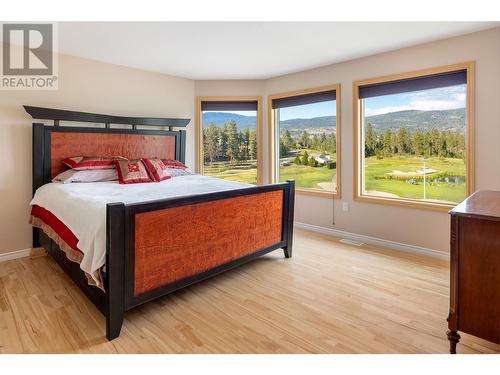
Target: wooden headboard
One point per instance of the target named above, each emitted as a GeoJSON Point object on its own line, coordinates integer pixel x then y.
{"type": "Point", "coordinates": [52, 144]}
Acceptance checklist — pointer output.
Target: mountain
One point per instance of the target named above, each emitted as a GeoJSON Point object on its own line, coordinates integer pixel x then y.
{"type": "Point", "coordinates": [309, 123]}
{"type": "Point", "coordinates": [451, 119]}
{"type": "Point", "coordinates": [220, 118]}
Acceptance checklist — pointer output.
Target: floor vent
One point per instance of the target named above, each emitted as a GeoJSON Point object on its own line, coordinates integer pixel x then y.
{"type": "Point", "coordinates": [350, 242]}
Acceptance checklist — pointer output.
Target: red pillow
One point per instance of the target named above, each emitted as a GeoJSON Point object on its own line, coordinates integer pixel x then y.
{"type": "Point", "coordinates": [131, 172]}
{"type": "Point", "coordinates": [157, 169]}
{"type": "Point", "coordinates": [174, 164]}
{"type": "Point", "coordinates": [80, 163]}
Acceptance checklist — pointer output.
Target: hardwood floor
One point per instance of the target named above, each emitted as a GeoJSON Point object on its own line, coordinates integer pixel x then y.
{"type": "Point", "coordinates": [329, 298]}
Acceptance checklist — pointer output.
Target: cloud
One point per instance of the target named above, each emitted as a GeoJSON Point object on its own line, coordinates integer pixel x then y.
{"type": "Point", "coordinates": [434, 105]}
{"type": "Point", "coordinates": [428, 100]}
{"type": "Point", "coordinates": [383, 110]}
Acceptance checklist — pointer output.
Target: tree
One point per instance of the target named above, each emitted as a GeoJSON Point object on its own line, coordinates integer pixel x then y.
{"type": "Point", "coordinates": [370, 141]}
{"type": "Point", "coordinates": [323, 143]}
{"type": "Point", "coordinates": [332, 144]}
{"type": "Point", "coordinates": [288, 140]}
{"type": "Point", "coordinates": [443, 145]}
{"type": "Point", "coordinates": [252, 145]}
{"type": "Point", "coordinates": [297, 159]}
{"type": "Point", "coordinates": [283, 149]}
{"type": "Point", "coordinates": [286, 143]}
{"type": "Point", "coordinates": [232, 141]}
{"type": "Point", "coordinates": [212, 142]}
{"type": "Point", "coordinates": [433, 140]}
{"type": "Point", "coordinates": [315, 142]}
{"type": "Point", "coordinates": [387, 142]}
{"type": "Point", "coordinates": [419, 145]}
{"type": "Point", "coordinates": [304, 140]}
{"type": "Point", "coordinates": [402, 141]}
{"type": "Point", "coordinates": [223, 142]}
{"type": "Point", "coordinates": [305, 158]}
{"type": "Point", "coordinates": [244, 138]}
{"type": "Point", "coordinates": [312, 162]}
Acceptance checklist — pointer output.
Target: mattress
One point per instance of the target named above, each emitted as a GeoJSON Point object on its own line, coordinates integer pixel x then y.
{"type": "Point", "coordinates": [74, 215]}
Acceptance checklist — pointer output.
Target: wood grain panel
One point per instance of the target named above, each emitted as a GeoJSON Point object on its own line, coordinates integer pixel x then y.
{"type": "Point", "coordinates": [178, 242]}
{"type": "Point", "coordinates": [479, 278]}
{"type": "Point", "coordinates": [132, 146]}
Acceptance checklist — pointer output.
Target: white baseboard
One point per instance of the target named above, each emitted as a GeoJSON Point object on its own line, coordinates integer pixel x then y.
{"type": "Point", "coordinates": [14, 254]}
{"type": "Point", "coordinates": [374, 241]}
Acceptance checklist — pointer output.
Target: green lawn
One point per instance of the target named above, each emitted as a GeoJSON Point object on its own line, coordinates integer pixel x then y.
{"type": "Point", "coordinates": [308, 177]}
{"type": "Point", "coordinates": [232, 172]}
{"type": "Point", "coordinates": [375, 170]}
{"type": "Point", "coordinates": [443, 191]}
{"type": "Point", "coordinates": [305, 176]}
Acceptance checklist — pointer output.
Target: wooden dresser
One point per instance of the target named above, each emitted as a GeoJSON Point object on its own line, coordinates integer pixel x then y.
{"type": "Point", "coordinates": [475, 268]}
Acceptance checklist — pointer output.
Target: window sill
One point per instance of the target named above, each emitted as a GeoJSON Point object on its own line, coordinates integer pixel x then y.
{"type": "Point", "coordinates": [410, 203]}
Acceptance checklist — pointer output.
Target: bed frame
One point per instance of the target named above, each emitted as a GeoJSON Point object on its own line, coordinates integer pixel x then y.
{"type": "Point", "coordinates": [157, 247]}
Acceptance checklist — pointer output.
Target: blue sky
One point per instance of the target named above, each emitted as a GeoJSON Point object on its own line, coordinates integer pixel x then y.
{"type": "Point", "coordinates": [300, 111]}
{"type": "Point", "coordinates": [426, 100]}
{"type": "Point", "coordinates": [309, 110]}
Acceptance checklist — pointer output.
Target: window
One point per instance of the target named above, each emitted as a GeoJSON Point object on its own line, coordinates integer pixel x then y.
{"type": "Point", "coordinates": [304, 136]}
{"type": "Point", "coordinates": [413, 137]}
{"type": "Point", "coordinates": [228, 138]}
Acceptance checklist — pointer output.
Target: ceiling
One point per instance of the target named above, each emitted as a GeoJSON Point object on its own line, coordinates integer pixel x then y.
{"type": "Point", "coordinates": [245, 50]}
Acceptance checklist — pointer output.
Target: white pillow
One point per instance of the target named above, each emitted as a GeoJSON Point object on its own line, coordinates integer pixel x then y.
{"type": "Point", "coordinates": [91, 175]}
{"type": "Point", "coordinates": [175, 172]}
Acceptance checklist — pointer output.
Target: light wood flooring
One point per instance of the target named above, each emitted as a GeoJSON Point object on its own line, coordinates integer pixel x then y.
{"type": "Point", "coordinates": [329, 298]}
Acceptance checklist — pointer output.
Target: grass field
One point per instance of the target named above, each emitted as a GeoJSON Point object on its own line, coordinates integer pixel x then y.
{"type": "Point", "coordinates": [305, 176]}
{"type": "Point", "coordinates": [375, 170]}
{"type": "Point", "coordinates": [308, 177]}
{"type": "Point", "coordinates": [442, 191]}
{"type": "Point", "coordinates": [232, 172]}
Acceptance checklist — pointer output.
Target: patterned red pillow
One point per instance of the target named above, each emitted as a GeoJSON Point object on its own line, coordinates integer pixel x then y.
{"type": "Point", "coordinates": [132, 171]}
{"type": "Point", "coordinates": [157, 169]}
{"type": "Point", "coordinates": [174, 164]}
{"type": "Point", "coordinates": [80, 163]}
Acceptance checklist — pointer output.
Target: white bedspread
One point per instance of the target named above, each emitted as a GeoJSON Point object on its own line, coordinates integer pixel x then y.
{"type": "Point", "coordinates": [82, 206]}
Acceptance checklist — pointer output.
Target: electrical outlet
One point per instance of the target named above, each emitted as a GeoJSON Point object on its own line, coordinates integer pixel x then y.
{"type": "Point", "coordinates": [345, 206]}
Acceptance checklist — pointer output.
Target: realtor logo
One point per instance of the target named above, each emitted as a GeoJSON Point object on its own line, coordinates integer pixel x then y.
{"type": "Point", "coordinates": [29, 57]}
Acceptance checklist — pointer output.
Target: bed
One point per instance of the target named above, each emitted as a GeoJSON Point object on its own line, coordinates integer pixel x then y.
{"type": "Point", "coordinates": [143, 241]}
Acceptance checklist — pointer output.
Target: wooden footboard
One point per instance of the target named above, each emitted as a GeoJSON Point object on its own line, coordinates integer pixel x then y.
{"type": "Point", "coordinates": [157, 247]}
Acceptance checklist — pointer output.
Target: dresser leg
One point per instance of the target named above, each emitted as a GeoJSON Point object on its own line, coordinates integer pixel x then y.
{"type": "Point", "coordinates": [454, 339]}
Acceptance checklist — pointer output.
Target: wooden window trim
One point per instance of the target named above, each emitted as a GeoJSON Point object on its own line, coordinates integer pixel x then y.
{"type": "Point", "coordinates": [272, 138]}
{"type": "Point", "coordinates": [470, 130]}
{"type": "Point", "coordinates": [199, 129]}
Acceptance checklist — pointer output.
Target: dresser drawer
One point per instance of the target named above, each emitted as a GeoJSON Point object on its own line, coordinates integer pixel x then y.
{"type": "Point", "coordinates": [479, 278]}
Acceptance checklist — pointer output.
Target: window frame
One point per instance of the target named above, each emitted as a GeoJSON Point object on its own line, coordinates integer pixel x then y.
{"type": "Point", "coordinates": [358, 150]}
{"type": "Point", "coordinates": [273, 138]}
{"type": "Point", "coordinates": [199, 129]}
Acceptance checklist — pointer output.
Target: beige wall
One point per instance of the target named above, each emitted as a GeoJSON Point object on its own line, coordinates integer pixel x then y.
{"type": "Point", "coordinates": [98, 87]}
{"type": "Point", "coordinates": [84, 85]}
{"type": "Point", "coordinates": [230, 88]}
{"type": "Point", "coordinates": [417, 227]}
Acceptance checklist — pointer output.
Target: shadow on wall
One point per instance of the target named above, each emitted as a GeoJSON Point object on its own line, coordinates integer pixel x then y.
{"type": "Point", "coordinates": [15, 179]}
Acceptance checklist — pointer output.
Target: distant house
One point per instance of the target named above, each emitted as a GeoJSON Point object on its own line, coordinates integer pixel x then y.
{"type": "Point", "coordinates": [322, 159]}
